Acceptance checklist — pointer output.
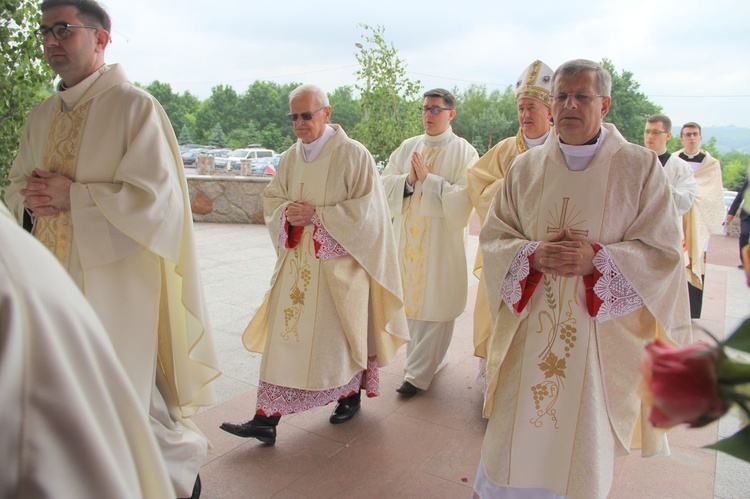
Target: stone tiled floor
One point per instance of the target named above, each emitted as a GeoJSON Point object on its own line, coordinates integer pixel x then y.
{"type": "Point", "coordinates": [424, 447]}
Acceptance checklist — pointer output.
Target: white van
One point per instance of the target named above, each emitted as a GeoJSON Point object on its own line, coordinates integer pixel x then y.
{"type": "Point", "coordinates": [253, 151]}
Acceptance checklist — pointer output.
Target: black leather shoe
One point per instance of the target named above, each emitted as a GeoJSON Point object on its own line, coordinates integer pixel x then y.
{"type": "Point", "coordinates": [407, 388]}
{"type": "Point", "coordinates": [252, 429]}
{"type": "Point", "coordinates": [345, 410]}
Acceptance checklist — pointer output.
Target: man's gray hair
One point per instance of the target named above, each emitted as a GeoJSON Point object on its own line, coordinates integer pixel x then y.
{"type": "Point", "coordinates": [603, 78]}
{"type": "Point", "coordinates": [320, 96]}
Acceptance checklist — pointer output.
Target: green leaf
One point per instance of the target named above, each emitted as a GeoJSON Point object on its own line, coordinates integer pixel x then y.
{"type": "Point", "coordinates": [740, 339]}
{"type": "Point", "coordinates": [738, 445]}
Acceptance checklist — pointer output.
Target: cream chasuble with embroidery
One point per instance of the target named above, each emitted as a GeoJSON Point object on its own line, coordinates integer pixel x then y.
{"type": "Point", "coordinates": [127, 218]}
{"type": "Point", "coordinates": [324, 314]}
{"type": "Point", "coordinates": [561, 396]}
{"type": "Point", "coordinates": [430, 225]}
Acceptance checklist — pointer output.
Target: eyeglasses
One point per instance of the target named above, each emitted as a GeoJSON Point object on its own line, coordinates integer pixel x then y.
{"type": "Point", "coordinates": [59, 30]}
{"type": "Point", "coordinates": [434, 109]}
{"type": "Point", "coordinates": [654, 132]}
{"type": "Point", "coordinates": [581, 97]}
{"type": "Point", "coordinates": [306, 116]}
{"type": "Point", "coordinates": [691, 134]}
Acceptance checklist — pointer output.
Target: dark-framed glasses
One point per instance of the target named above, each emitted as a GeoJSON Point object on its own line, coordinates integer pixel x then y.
{"type": "Point", "coordinates": [656, 133]}
{"type": "Point", "coordinates": [60, 30]}
{"type": "Point", "coordinates": [580, 97]}
{"type": "Point", "coordinates": [434, 109]}
{"type": "Point", "coordinates": [306, 116]}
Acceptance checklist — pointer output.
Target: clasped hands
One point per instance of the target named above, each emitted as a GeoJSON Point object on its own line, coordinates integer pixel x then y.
{"type": "Point", "coordinates": [46, 193]}
{"type": "Point", "coordinates": [564, 255]}
{"type": "Point", "coordinates": [299, 214]}
{"type": "Point", "coordinates": [417, 169]}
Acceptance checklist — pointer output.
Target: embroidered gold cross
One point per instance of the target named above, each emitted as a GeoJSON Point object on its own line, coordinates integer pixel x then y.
{"type": "Point", "coordinates": [566, 220]}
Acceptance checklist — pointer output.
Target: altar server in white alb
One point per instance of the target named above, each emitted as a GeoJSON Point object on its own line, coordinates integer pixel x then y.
{"type": "Point", "coordinates": [425, 181]}
{"type": "Point", "coordinates": [583, 267]}
{"type": "Point", "coordinates": [98, 180]}
{"type": "Point", "coordinates": [682, 183]}
{"type": "Point", "coordinates": [72, 425]}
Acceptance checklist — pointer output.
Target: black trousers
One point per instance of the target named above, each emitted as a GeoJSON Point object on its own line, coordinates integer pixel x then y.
{"type": "Point", "coordinates": [696, 299]}
{"type": "Point", "coordinates": [744, 235]}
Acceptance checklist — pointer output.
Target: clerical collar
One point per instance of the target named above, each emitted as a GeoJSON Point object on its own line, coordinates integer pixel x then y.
{"type": "Point", "coordinates": [695, 158]}
{"type": "Point", "coordinates": [312, 150]}
{"type": "Point", "coordinates": [440, 139]}
{"type": "Point", "coordinates": [578, 157]}
{"type": "Point", "coordinates": [71, 96]}
{"type": "Point", "coordinates": [664, 157]}
{"type": "Point", "coordinates": [535, 142]}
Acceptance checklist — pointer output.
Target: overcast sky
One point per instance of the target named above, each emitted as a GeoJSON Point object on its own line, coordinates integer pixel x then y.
{"type": "Point", "coordinates": [690, 56]}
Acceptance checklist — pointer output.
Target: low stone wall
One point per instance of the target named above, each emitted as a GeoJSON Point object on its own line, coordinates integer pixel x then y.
{"type": "Point", "coordinates": [226, 198]}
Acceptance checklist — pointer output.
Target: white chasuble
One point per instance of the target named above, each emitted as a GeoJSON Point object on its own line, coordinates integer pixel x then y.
{"type": "Point", "coordinates": [559, 337]}
{"type": "Point", "coordinates": [306, 329]}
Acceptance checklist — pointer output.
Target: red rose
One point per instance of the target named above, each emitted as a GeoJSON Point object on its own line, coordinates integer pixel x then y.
{"type": "Point", "coordinates": [681, 385]}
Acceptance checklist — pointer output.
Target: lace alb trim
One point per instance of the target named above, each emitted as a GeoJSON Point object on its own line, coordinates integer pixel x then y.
{"type": "Point", "coordinates": [617, 294]}
{"type": "Point", "coordinates": [281, 400]}
{"type": "Point", "coordinates": [328, 246]}
{"type": "Point", "coordinates": [281, 230]}
{"type": "Point", "coordinates": [519, 270]}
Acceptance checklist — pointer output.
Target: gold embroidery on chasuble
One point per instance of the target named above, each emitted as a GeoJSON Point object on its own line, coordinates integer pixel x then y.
{"type": "Point", "coordinates": [416, 242]}
{"type": "Point", "coordinates": [558, 332]}
{"type": "Point", "coordinates": [61, 149]}
{"type": "Point", "coordinates": [521, 142]}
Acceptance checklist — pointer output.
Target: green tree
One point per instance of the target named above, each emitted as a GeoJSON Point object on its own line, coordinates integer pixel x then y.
{"type": "Point", "coordinates": [345, 109]}
{"type": "Point", "coordinates": [243, 137]}
{"type": "Point", "coordinates": [25, 79]}
{"type": "Point", "coordinates": [218, 139]}
{"type": "Point", "coordinates": [734, 166]}
{"type": "Point", "coordinates": [484, 118]}
{"type": "Point", "coordinates": [390, 100]}
{"type": "Point", "coordinates": [221, 107]}
{"type": "Point", "coordinates": [184, 137]}
{"type": "Point", "coordinates": [272, 138]}
{"type": "Point", "coordinates": [630, 107]}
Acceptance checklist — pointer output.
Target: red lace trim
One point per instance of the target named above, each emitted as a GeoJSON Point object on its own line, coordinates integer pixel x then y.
{"type": "Point", "coordinates": [275, 400]}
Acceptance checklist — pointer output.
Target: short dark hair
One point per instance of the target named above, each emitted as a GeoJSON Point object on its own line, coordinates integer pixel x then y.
{"type": "Point", "coordinates": [661, 118]}
{"type": "Point", "coordinates": [691, 124]}
{"type": "Point", "coordinates": [88, 10]}
{"type": "Point", "coordinates": [447, 97]}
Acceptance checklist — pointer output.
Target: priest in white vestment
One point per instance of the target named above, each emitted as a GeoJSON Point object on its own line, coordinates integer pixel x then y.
{"type": "Point", "coordinates": [485, 177]}
{"type": "Point", "coordinates": [706, 214]}
{"type": "Point", "coordinates": [425, 181]}
{"type": "Point", "coordinates": [72, 425]}
{"type": "Point", "coordinates": [583, 268]}
{"type": "Point", "coordinates": [99, 181]}
{"type": "Point", "coordinates": [334, 312]}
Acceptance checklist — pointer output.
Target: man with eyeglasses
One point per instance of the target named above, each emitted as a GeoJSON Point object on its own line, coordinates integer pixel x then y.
{"type": "Point", "coordinates": [485, 177]}
{"type": "Point", "coordinates": [707, 213]}
{"type": "Point", "coordinates": [334, 312]}
{"type": "Point", "coordinates": [99, 180]}
{"type": "Point", "coordinates": [583, 267]}
{"type": "Point", "coordinates": [425, 181]}
{"type": "Point", "coordinates": [682, 184]}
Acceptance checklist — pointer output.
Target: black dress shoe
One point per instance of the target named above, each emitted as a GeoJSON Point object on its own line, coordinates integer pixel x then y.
{"type": "Point", "coordinates": [196, 488]}
{"type": "Point", "coordinates": [407, 388]}
{"type": "Point", "coordinates": [252, 429]}
{"type": "Point", "coordinates": [345, 410]}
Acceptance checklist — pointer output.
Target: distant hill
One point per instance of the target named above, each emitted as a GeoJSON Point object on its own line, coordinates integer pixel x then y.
{"type": "Point", "coordinates": [727, 137]}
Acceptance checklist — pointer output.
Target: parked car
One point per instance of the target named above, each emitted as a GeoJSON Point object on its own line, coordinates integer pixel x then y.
{"type": "Point", "coordinates": [234, 158]}
{"type": "Point", "coordinates": [190, 158]}
{"type": "Point", "coordinates": [729, 198]}
{"type": "Point", "coordinates": [265, 166]}
{"type": "Point", "coordinates": [220, 158]}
